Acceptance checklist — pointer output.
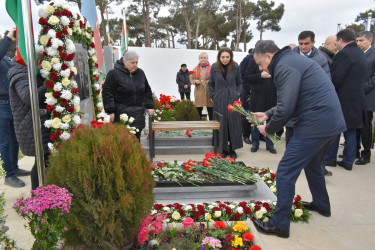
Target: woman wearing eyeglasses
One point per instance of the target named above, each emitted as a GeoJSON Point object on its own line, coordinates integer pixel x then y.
{"type": "Point", "coordinates": [224, 88]}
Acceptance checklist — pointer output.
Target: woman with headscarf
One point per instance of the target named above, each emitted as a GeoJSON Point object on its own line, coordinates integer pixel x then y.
{"type": "Point", "coordinates": [200, 80]}
{"type": "Point", "coordinates": [224, 87]}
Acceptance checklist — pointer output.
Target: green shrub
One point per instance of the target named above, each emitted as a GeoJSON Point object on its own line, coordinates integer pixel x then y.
{"type": "Point", "coordinates": [110, 178]}
{"type": "Point", "coordinates": [186, 111]}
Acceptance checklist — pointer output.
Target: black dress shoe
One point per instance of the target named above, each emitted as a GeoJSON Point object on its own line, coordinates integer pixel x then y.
{"type": "Point", "coordinates": [327, 173]}
{"type": "Point", "coordinates": [268, 228]}
{"type": "Point", "coordinates": [21, 172]}
{"type": "Point", "coordinates": [254, 149]}
{"type": "Point", "coordinates": [224, 154]}
{"type": "Point", "coordinates": [342, 164]}
{"type": "Point", "coordinates": [272, 150]}
{"type": "Point", "coordinates": [363, 160]}
{"type": "Point", "coordinates": [247, 140]}
{"type": "Point", "coordinates": [233, 155]}
{"type": "Point", "coordinates": [311, 207]}
{"type": "Point", "coordinates": [330, 163]}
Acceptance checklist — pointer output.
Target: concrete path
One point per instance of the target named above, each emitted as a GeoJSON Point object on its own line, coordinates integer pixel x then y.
{"type": "Point", "coordinates": [352, 194]}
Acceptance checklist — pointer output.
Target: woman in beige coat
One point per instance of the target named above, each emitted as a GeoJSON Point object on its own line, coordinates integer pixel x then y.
{"type": "Point", "coordinates": [200, 80]}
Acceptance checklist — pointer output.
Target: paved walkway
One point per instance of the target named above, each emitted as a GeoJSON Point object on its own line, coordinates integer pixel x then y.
{"type": "Point", "coordinates": [352, 194]}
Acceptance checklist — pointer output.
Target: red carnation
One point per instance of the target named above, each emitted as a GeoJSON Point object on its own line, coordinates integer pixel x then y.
{"type": "Point", "coordinates": [49, 44]}
{"type": "Point", "coordinates": [50, 108]}
{"type": "Point", "coordinates": [92, 45]}
{"type": "Point", "coordinates": [71, 57]}
{"type": "Point", "coordinates": [57, 13]}
{"type": "Point", "coordinates": [257, 207]}
{"type": "Point", "coordinates": [65, 31]}
{"type": "Point", "coordinates": [255, 247]}
{"type": "Point", "coordinates": [58, 132]}
{"type": "Point", "coordinates": [43, 21]}
{"type": "Point", "coordinates": [56, 114]}
{"type": "Point", "coordinates": [247, 210]}
{"type": "Point", "coordinates": [158, 206]}
{"type": "Point", "coordinates": [237, 216]}
{"type": "Point", "coordinates": [71, 74]}
{"type": "Point", "coordinates": [219, 224]}
{"type": "Point", "coordinates": [230, 108]}
{"type": "Point", "coordinates": [80, 24]}
{"type": "Point", "coordinates": [228, 210]}
{"type": "Point", "coordinates": [237, 102]}
{"type": "Point", "coordinates": [98, 91]}
{"type": "Point", "coordinates": [58, 35]}
{"type": "Point", "coordinates": [54, 76]}
{"type": "Point", "coordinates": [56, 94]}
{"type": "Point", "coordinates": [52, 3]}
{"type": "Point", "coordinates": [71, 24]}
{"type": "Point", "coordinates": [45, 53]}
{"type": "Point", "coordinates": [75, 91]}
{"type": "Point", "coordinates": [46, 29]}
{"type": "Point", "coordinates": [64, 56]}
{"type": "Point", "coordinates": [60, 48]}
{"type": "Point", "coordinates": [96, 65]}
{"type": "Point", "coordinates": [96, 78]}
{"type": "Point", "coordinates": [298, 198]}
{"type": "Point", "coordinates": [64, 67]}
{"type": "Point", "coordinates": [63, 101]}
{"type": "Point", "coordinates": [66, 13]}
{"type": "Point", "coordinates": [49, 84]}
{"type": "Point", "coordinates": [247, 236]}
{"type": "Point", "coordinates": [53, 137]}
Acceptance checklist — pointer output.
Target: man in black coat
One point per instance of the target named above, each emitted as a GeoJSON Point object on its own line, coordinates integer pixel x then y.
{"type": "Point", "coordinates": [184, 85]}
{"type": "Point", "coordinates": [329, 49]}
{"type": "Point", "coordinates": [349, 73]}
{"type": "Point", "coordinates": [364, 41]}
{"type": "Point", "coordinates": [262, 98]}
{"type": "Point", "coordinates": [304, 93]}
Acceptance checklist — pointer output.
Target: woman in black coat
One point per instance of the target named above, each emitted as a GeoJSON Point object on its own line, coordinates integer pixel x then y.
{"type": "Point", "coordinates": [224, 88]}
{"type": "Point", "coordinates": [126, 91]}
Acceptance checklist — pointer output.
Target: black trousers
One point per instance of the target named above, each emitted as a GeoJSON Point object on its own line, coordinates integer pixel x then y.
{"type": "Point", "coordinates": [210, 111]}
{"type": "Point", "coordinates": [365, 136]}
{"type": "Point", "coordinates": [34, 173]}
{"type": "Point", "coordinates": [182, 95]}
{"type": "Point", "coordinates": [246, 127]}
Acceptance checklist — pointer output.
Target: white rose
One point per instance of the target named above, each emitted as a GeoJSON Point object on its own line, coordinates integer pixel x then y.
{"type": "Point", "coordinates": [107, 119]}
{"type": "Point", "coordinates": [56, 122]}
{"type": "Point", "coordinates": [77, 108]}
{"type": "Point", "coordinates": [167, 220]}
{"type": "Point", "coordinates": [176, 215]}
{"type": "Point", "coordinates": [166, 209]}
{"type": "Point", "coordinates": [50, 9]}
{"type": "Point", "coordinates": [77, 120]}
{"type": "Point", "coordinates": [94, 58]}
{"type": "Point", "coordinates": [99, 105]}
{"type": "Point", "coordinates": [274, 189]}
{"type": "Point", "coordinates": [269, 181]}
{"type": "Point", "coordinates": [65, 82]}
{"type": "Point", "coordinates": [57, 87]}
{"type": "Point", "coordinates": [48, 95]}
{"type": "Point", "coordinates": [55, 60]}
{"type": "Point", "coordinates": [66, 119]}
{"type": "Point", "coordinates": [263, 209]}
{"type": "Point", "coordinates": [50, 146]}
{"type": "Point", "coordinates": [74, 69]}
{"type": "Point", "coordinates": [65, 136]}
{"type": "Point", "coordinates": [96, 86]}
{"type": "Point", "coordinates": [268, 175]}
{"type": "Point", "coordinates": [48, 123]}
{"type": "Point", "coordinates": [258, 215]}
{"type": "Point", "coordinates": [265, 220]}
{"type": "Point", "coordinates": [46, 65]}
{"type": "Point", "coordinates": [131, 120]}
{"type": "Point", "coordinates": [240, 210]}
{"type": "Point", "coordinates": [188, 207]}
{"type": "Point", "coordinates": [70, 31]}
{"type": "Point", "coordinates": [252, 205]}
{"type": "Point", "coordinates": [53, 20]}
{"type": "Point", "coordinates": [217, 214]}
{"type": "Point", "coordinates": [232, 206]}
{"type": "Point", "coordinates": [124, 117]}
{"type": "Point", "coordinates": [44, 39]}
{"type": "Point", "coordinates": [298, 212]}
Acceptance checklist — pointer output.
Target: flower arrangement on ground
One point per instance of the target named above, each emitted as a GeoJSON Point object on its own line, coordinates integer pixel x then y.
{"type": "Point", "coordinates": [168, 104]}
{"type": "Point", "coordinates": [5, 241]}
{"type": "Point", "coordinates": [58, 25]}
{"type": "Point", "coordinates": [237, 107]}
{"type": "Point", "coordinates": [45, 212]}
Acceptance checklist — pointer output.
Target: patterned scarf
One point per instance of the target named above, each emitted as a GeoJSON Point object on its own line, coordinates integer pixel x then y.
{"type": "Point", "coordinates": [198, 70]}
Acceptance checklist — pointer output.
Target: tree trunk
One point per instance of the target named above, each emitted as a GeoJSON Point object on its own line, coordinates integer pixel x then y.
{"type": "Point", "coordinates": [197, 30]}
{"type": "Point", "coordinates": [238, 25]}
{"type": "Point", "coordinates": [173, 39]}
{"type": "Point", "coordinates": [103, 32]}
{"type": "Point", "coordinates": [188, 31]}
{"type": "Point", "coordinates": [169, 40]}
{"type": "Point", "coordinates": [261, 30]}
{"type": "Point", "coordinates": [146, 16]}
{"type": "Point", "coordinates": [244, 35]}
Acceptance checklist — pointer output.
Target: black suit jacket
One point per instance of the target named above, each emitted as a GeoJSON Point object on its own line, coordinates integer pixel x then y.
{"type": "Point", "coordinates": [349, 73]}
{"type": "Point", "coordinates": [370, 82]}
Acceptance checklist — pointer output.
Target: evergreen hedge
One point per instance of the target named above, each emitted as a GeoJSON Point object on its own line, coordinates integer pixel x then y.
{"type": "Point", "coordinates": [186, 111]}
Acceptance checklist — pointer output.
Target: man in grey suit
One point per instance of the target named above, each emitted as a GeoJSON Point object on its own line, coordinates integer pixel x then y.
{"type": "Point", "coordinates": [306, 95]}
{"type": "Point", "coordinates": [364, 41]}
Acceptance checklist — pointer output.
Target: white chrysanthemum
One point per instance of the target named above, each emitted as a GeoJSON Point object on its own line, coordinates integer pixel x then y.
{"type": "Point", "coordinates": [252, 205]}
{"type": "Point", "coordinates": [240, 210]}
{"type": "Point", "coordinates": [44, 73]}
{"type": "Point", "coordinates": [42, 12]}
{"type": "Point", "coordinates": [258, 215]}
{"type": "Point", "coordinates": [52, 52]}
{"type": "Point", "coordinates": [99, 105]}
{"type": "Point", "coordinates": [91, 51]}
{"type": "Point", "coordinates": [57, 87]}
{"type": "Point", "coordinates": [66, 118]}
{"type": "Point", "coordinates": [51, 33]}
{"type": "Point", "coordinates": [48, 123]}
{"type": "Point", "coordinates": [263, 209]}
{"type": "Point", "coordinates": [50, 146]}
{"type": "Point", "coordinates": [65, 21]}
{"type": "Point", "coordinates": [59, 3]}
{"type": "Point", "coordinates": [77, 120]}
{"type": "Point", "coordinates": [66, 94]}
{"type": "Point", "coordinates": [76, 100]}
{"type": "Point", "coordinates": [39, 49]}
{"type": "Point", "coordinates": [137, 130]}
{"type": "Point", "coordinates": [153, 212]}
{"type": "Point", "coordinates": [267, 175]}
{"type": "Point", "coordinates": [65, 73]}
{"type": "Point", "coordinates": [231, 206]}
{"type": "Point", "coordinates": [92, 40]}
{"type": "Point", "coordinates": [57, 66]}
{"type": "Point", "coordinates": [94, 58]}
{"type": "Point", "coordinates": [56, 43]}
{"type": "Point", "coordinates": [70, 64]}
{"type": "Point", "coordinates": [59, 108]}
{"type": "Point", "coordinates": [51, 101]}
{"type": "Point", "coordinates": [131, 120]}
{"type": "Point", "coordinates": [74, 84]}
{"type": "Point", "coordinates": [188, 207]}
{"type": "Point", "coordinates": [166, 209]}
{"type": "Point", "coordinates": [107, 118]}
{"type": "Point", "coordinates": [265, 220]}
{"type": "Point", "coordinates": [65, 136]}
{"type": "Point", "coordinates": [74, 70]}
{"type": "Point", "coordinates": [88, 35]}
{"type": "Point", "coordinates": [96, 72]}
{"type": "Point", "coordinates": [96, 86]}
{"type": "Point", "coordinates": [56, 122]}
{"type": "Point", "coordinates": [64, 126]}
{"type": "Point", "coordinates": [124, 117]}
{"type": "Point", "coordinates": [70, 49]}
{"type": "Point", "coordinates": [102, 115]}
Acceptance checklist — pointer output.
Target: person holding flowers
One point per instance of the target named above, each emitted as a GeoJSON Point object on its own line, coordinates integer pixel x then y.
{"type": "Point", "coordinates": [199, 78]}
{"type": "Point", "coordinates": [224, 88]}
{"type": "Point", "coordinates": [126, 91]}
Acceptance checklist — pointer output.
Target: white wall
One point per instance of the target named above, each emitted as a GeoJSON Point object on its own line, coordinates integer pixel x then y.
{"type": "Point", "coordinates": [161, 66]}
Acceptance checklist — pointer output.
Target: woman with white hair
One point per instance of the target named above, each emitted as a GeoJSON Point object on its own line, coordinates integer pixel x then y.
{"type": "Point", "coordinates": [200, 80]}
{"type": "Point", "coordinates": [126, 91]}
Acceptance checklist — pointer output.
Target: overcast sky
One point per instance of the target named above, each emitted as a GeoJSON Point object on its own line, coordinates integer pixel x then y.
{"type": "Point", "coordinates": [320, 16]}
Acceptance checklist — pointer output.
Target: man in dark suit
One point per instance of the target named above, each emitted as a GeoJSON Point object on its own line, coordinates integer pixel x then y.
{"type": "Point", "coordinates": [364, 41]}
{"type": "Point", "coordinates": [306, 95]}
{"type": "Point", "coordinates": [349, 73]}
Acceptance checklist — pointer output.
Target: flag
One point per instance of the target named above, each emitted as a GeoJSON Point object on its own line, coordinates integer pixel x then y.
{"type": "Point", "coordinates": [88, 10]}
{"type": "Point", "coordinates": [14, 9]}
{"type": "Point", "coordinates": [124, 39]}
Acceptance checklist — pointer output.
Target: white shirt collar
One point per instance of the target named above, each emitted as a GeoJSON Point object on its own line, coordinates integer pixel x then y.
{"type": "Point", "coordinates": [308, 54]}
{"type": "Point", "coordinates": [367, 49]}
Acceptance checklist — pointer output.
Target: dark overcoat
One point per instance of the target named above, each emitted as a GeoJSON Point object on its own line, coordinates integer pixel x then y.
{"type": "Point", "coordinates": [349, 73]}
{"type": "Point", "coordinates": [263, 91]}
{"type": "Point", "coordinates": [127, 93]}
{"type": "Point", "coordinates": [224, 92]}
{"type": "Point", "coordinates": [182, 79]}
{"type": "Point", "coordinates": [370, 82]}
